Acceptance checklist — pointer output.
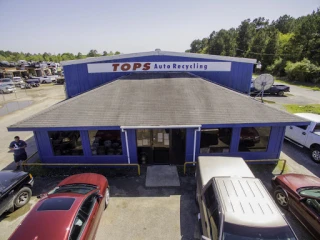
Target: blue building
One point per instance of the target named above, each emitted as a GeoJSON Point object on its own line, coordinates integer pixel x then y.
{"type": "Point", "coordinates": [157, 108]}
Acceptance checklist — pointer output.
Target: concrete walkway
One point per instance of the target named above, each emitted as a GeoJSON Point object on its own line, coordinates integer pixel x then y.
{"type": "Point", "coordinates": [42, 99]}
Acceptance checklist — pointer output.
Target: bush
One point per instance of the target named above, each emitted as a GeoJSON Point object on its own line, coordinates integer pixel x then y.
{"type": "Point", "coordinates": [277, 68]}
{"type": "Point", "coordinates": [303, 71]}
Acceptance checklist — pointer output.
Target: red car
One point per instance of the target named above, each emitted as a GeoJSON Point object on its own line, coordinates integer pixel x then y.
{"type": "Point", "coordinates": [72, 210]}
{"type": "Point", "coordinates": [300, 194]}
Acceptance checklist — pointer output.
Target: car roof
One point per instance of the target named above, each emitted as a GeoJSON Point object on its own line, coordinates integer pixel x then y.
{"type": "Point", "coordinates": [215, 166]}
{"type": "Point", "coordinates": [49, 224]}
{"type": "Point", "coordinates": [246, 202]}
{"type": "Point", "coordinates": [310, 116]}
{"type": "Point", "coordinates": [84, 178]}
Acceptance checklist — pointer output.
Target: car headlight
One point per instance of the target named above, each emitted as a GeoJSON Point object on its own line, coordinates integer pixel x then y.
{"type": "Point", "coordinates": [66, 140]}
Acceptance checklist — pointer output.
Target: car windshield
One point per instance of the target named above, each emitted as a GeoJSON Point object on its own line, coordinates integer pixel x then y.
{"type": "Point", "coordinates": [310, 192]}
{"type": "Point", "coordinates": [73, 188]}
{"type": "Point", "coordinates": [236, 232]}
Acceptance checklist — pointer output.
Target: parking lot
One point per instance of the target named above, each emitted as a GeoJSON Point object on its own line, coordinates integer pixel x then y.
{"type": "Point", "coordinates": [135, 211]}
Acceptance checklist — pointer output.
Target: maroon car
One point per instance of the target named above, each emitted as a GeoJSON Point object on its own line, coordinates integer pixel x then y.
{"type": "Point", "coordinates": [72, 210]}
{"type": "Point", "coordinates": [300, 194]}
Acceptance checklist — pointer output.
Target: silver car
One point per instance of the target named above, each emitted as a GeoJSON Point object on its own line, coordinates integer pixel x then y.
{"type": "Point", "coordinates": [7, 88]}
{"type": "Point", "coordinates": [17, 81]}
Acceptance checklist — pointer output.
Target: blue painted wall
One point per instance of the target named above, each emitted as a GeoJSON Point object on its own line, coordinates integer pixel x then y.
{"type": "Point", "coordinates": [46, 153]}
{"type": "Point", "coordinates": [78, 80]}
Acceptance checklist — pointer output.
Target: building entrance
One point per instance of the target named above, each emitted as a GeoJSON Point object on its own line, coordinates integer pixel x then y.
{"type": "Point", "coordinates": [161, 146]}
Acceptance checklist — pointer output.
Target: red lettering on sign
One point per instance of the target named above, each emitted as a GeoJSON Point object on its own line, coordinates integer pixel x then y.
{"type": "Point", "coordinates": [125, 67]}
{"type": "Point", "coordinates": [115, 66]}
{"type": "Point", "coordinates": [146, 66]}
{"type": "Point", "coordinates": [136, 65]}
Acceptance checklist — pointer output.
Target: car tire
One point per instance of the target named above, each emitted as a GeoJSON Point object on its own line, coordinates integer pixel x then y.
{"type": "Point", "coordinates": [107, 198]}
{"type": "Point", "coordinates": [44, 81]}
{"type": "Point", "coordinates": [315, 154]}
{"type": "Point", "coordinates": [281, 198]}
{"type": "Point", "coordinates": [22, 197]}
{"type": "Point", "coordinates": [281, 93]}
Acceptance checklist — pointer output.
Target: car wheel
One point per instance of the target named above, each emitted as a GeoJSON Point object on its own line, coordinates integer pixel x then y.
{"type": "Point", "coordinates": [22, 197]}
{"type": "Point", "coordinates": [315, 154]}
{"type": "Point", "coordinates": [44, 81]}
{"type": "Point", "coordinates": [281, 93]}
{"type": "Point", "coordinates": [281, 198]}
{"type": "Point", "coordinates": [107, 198]}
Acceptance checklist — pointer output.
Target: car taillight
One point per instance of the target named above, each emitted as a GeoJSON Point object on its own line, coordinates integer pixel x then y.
{"type": "Point", "coordinates": [30, 175]}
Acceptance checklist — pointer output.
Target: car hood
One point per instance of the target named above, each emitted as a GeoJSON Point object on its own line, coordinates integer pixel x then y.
{"type": "Point", "coordinates": [9, 178]}
{"type": "Point", "coordinates": [296, 181]}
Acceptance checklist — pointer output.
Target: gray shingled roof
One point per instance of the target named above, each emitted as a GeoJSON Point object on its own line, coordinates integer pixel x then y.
{"type": "Point", "coordinates": [148, 99]}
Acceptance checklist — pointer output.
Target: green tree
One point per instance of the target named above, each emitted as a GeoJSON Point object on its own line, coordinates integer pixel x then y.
{"type": "Point", "coordinates": [285, 24]}
{"type": "Point", "coordinates": [93, 53]}
{"type": "Point", "coordinates": [245, 36]}
{"type": "Point", "coordinates": [271, 49]}
{"type": "Point", "coordinates": [196, 46]}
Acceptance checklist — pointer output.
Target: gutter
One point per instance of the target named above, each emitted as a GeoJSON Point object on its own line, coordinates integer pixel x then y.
{"type": "Point", "coordinates": [195, 143]}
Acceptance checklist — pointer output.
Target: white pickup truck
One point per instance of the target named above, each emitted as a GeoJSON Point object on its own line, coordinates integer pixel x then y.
{"type": "Point", "coordinates": [306, 136]}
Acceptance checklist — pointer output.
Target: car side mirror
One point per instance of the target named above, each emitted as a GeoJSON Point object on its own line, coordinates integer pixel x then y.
{"type": "Point", "coordinates": [99, 196]}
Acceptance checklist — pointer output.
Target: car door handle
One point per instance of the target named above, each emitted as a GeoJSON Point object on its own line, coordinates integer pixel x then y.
{"type": "Point", "coordinates": [291, 127]}
{"type": "Point", "coordinates": [304, 133]}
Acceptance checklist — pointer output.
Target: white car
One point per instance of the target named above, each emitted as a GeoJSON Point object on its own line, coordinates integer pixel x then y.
{"type": "Point", "coordinates": [46, 79]}
{"type": "Point", "coordinates": [17, 81]}
{"type": "Point", "coordinates": [307, 136]}
{"type": "Point", "coordinates": [7, 88]}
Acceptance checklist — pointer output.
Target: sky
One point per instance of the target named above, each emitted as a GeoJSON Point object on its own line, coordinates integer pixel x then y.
{"type": "Point", "coordinates": [128, 26]}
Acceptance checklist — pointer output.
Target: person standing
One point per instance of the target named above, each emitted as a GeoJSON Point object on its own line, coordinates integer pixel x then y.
{"type": "Point", "coordinates": [19, 152]}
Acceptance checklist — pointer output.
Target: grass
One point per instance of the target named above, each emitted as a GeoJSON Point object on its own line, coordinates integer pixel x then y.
{"type": "Point", "coordinates": [310, 108]}
{"type": "Point", "coordinates": [314, 87]}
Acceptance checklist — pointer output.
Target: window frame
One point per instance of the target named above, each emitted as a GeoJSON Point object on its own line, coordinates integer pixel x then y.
{"type": "Point", "coordinates": [68, 155]}
{"type": "Point", "coordinates": [221, 147]}
{"type": "Point", "coordinates": [256, 128]}
{"type": "Point", "coordinates": [94, 194]}
{"type": "Point", "coordinates": [104, 155]}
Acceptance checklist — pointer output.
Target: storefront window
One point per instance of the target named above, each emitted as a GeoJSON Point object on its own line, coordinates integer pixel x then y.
{"type": "Point", "coordinates": [143, 137]}
{"type": "Point", "coordinates": [216, 140]}
{"type": "Point", "coordinates": [66, 143]}
{"type": "Point", "coordinates": [254, 139]}
{"type": "Point", "coordinates": [105, 142]}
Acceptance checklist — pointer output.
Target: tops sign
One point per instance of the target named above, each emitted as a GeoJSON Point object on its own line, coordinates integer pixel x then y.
{"type": "Point", "coordinates": [160, 67]}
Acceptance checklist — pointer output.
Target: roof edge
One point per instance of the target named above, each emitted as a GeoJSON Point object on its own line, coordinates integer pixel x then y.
{"type": "Point", "coordinates": [160, 53]}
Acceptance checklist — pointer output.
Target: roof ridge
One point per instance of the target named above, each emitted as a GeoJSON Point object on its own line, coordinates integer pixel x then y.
{"type": "Point", "coordinates": [159, 53]}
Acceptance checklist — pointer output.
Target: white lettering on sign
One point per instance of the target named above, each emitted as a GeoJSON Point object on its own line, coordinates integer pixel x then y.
{"type": "Point", "coordinates": [160, 67]}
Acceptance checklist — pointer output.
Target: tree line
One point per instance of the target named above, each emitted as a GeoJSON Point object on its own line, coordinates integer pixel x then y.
{"type": "Point", "coordinates": [48, 57]}
{"type": "Point", "coordinates": [287, 47]}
